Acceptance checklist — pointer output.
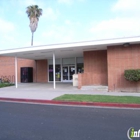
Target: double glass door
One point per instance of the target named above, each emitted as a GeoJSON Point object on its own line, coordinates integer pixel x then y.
{"type": "Point", "coordinates": [68, 72]}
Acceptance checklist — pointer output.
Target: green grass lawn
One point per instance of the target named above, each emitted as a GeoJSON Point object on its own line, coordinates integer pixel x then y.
{"type": "Point", "coordinates": [5, 85]}
{"type": "Point", "coordinates": [99, 98]}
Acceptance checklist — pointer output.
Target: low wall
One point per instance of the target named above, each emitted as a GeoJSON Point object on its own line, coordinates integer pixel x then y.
{"type": "Point", "coordinates": [85, 79]}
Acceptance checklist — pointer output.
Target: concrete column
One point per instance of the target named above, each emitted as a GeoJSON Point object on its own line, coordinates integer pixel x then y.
{"type": "Point", "coordinates": [61, 69]}
{"type": "Point", "coordinates": [53, 70]}
{"type": "Point", "coordinates": [36, 70]}
{"type": "Point", "coordinates": [75, 65]}
{"type": "Point", "coordinates": [16, 74]}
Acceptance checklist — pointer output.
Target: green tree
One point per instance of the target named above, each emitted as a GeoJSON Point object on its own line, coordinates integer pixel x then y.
{"type": "Point", "coordinates": [33, 12]}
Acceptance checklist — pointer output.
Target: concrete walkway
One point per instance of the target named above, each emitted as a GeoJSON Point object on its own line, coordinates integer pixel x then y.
{"type": "Point", "coordinates": [45, 91]}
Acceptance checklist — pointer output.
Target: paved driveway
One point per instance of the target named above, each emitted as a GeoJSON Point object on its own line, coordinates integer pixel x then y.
{"type": "Point", "coordinates": [45, 91]}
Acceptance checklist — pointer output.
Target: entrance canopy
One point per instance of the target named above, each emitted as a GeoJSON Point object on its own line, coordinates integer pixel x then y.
{"type": "Point", "coordinates": [66, 49]}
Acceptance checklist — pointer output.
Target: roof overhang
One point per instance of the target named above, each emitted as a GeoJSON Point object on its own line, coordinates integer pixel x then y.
{"type": "Point", "coordinates": [66, 49]}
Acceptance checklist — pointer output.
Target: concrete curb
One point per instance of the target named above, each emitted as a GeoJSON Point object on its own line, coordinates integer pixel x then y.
{"type": "Point", "coordinates": [120, 105]}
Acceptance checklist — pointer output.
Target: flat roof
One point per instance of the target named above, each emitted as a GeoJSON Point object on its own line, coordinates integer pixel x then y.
{"type": "Point", "coordinates": [72, 49]}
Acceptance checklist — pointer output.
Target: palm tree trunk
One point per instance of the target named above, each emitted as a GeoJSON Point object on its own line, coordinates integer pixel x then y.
{"type": "Point", "coordinates": [32, 39]}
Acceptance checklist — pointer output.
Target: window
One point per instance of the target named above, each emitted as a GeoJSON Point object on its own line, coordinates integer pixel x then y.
{"type": "Point", "coordinates": [57, 73]}
{"type": "Point", "coordinates": [80, 68]}
{"type": "Point", "coordinates": [80, 65]}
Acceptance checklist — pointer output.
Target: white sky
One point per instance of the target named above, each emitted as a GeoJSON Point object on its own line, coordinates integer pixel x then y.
{"type": "Point", "coordinates": [68, 21]}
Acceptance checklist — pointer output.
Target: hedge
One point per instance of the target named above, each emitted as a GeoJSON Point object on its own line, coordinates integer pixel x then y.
{"type": "Point", "coordinates": [132, 75]}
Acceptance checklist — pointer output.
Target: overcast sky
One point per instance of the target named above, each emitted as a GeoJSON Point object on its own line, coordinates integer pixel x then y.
{"type": "Point", "coordinates": [68, 21]}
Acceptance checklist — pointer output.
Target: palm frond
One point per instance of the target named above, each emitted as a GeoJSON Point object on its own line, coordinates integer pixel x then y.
{"type": "Point", "coordinates": [34, 11]}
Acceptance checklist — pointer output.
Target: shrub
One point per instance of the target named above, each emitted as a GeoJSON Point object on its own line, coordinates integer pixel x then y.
{"type": "Point", "coordinates": [5, 85]}
{"type": "Point", "coordinates": [132, 75]}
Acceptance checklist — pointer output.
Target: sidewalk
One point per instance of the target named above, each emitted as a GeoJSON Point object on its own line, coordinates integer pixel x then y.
{"type": "Point", "coordinates": [44, 93]}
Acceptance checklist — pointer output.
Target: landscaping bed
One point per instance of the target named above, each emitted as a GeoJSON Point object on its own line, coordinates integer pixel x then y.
{"type": "Point", "coordinates": [5, 85]}
{"type": "Point", "coordinates": [99, 98]}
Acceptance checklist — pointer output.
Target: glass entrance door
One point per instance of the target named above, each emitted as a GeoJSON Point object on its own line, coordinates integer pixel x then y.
{"type": "Point", "coordinates": [65, 73]}
{"type": "Point", "coordinates": [68, 72]}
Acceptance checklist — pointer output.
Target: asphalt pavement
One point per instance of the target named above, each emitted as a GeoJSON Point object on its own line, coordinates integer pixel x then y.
{"type": "Point", "coordinates": [50, 122]}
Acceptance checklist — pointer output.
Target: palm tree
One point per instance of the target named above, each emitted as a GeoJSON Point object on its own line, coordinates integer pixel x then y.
{"type": "Point", "coordinates": [33, 12]}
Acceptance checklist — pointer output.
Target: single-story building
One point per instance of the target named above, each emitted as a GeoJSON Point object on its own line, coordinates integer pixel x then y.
{"type": "Point", "coordinates": [97, 62]}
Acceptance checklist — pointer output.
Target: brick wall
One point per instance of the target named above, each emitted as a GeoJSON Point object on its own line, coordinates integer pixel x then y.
{"type": "Point", "coordinates": [7, 67]}
{"type": "Point", "coordinates": [42, 70]}
{"type": "Point", "coordinates": [119, 59]}
{"type": "Point", "coordinates": [95, 68]}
